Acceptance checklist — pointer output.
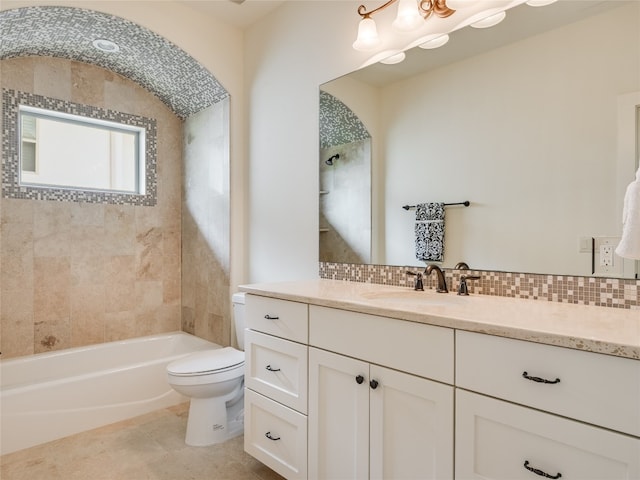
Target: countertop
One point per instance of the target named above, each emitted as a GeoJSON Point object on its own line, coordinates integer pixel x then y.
{"type": "Point", "coordinates": [603, 330]}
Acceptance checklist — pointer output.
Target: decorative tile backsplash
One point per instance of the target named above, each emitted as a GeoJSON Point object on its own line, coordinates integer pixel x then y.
{"type": "Point", "coordinates": [604, 292]}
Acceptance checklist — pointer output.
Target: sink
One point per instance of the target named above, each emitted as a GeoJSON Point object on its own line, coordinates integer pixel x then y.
{"type": "Point", "coordinates": [414, 297]}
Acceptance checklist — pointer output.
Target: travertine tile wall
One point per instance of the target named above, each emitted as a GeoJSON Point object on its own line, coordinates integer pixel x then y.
{"type": "Point", "coordinates": [206, 305]}
{"type": "Point", "coordinates": [75, 274]}
{"type": "Point", "coordinates": [604, 292]}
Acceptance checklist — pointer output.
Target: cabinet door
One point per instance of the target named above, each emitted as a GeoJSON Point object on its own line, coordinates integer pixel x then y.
{"type": "Point", "coordinates": [411, 427]}
{"type": "Point", "coordinates": [338, 417]}
{"type": "Point", "coordinates": [501, 440]}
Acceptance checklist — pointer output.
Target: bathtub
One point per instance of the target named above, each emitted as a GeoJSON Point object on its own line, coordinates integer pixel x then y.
{"type": "Point", "coordinates": [51, 395]}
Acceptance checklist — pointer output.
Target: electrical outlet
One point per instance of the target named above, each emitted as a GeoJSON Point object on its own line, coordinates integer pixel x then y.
{"type": "Point", "coordinates": [605, 262]}
{"type": "Point", "coordinates": [606, 255]}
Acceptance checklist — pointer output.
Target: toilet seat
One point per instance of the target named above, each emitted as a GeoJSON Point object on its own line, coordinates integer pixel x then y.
{"type": "Point", "coordinates": [207, 362]}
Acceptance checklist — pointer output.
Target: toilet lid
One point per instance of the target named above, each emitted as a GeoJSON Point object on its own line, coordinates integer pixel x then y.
{"type": "Point", "coordinates": [207, 361]}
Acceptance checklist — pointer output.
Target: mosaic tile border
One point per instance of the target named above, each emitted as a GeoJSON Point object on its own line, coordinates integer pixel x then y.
{"type": "Point", "coordinates": [11, 188]}
{"type": "Point", "coordinates": [145, 57]}
{"type": "Point", "coordinates": [604, 292]}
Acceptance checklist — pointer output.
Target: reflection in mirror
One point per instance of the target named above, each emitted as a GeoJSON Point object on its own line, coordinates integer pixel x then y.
{"type": "Point", "coordinates": [345, 184]}
{"type": "Point", "coordinates": [71, 151]}
{"type": "Point", "coordinates": [533, 121]}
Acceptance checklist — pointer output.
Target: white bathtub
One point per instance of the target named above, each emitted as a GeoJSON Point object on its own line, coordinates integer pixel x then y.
{"type": "Point", "coordinates": [51, 395]}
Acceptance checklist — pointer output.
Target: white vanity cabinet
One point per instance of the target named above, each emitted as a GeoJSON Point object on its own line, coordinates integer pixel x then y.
{"type": "Point", "coordinates": [370, 421]}
{"type": "Point", "coordinates": [276, 384]}
{"type": "Point", "coordinates": [334, 393]}
{"type": "Point", "coordinates": [526, 411]}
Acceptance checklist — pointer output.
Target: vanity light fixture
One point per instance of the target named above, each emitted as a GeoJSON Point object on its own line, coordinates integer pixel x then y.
{"type": "Point", "coordinates": [105, 45]}
{"type": "Point", "coordinates": [411, 15]}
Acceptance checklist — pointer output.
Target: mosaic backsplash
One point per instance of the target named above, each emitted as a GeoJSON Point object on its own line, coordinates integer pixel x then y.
{"type": "Point", "coordinates": [604, 292]}
{"type": "Point", "coordinates": [11, 188]}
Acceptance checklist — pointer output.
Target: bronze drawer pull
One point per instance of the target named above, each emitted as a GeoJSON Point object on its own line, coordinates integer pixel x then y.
{"type": "Point", "coordinates": [269, 317]}
{"type": "Point", "coordinates": [538, 379]}
{"type": "Point", "coordinates": [540, 472]}
{"type": "Point", "coordinates": [271, 437]}
{"type": "Point", "coordinates": [271, 369]}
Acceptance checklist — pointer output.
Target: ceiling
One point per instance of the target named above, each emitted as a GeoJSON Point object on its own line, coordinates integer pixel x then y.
{"type": "Point", "coordinates": [234, 13]}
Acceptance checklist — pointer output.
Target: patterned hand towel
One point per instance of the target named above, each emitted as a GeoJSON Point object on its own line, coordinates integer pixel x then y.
{"type": "Point", "coordinates": [430, 232]}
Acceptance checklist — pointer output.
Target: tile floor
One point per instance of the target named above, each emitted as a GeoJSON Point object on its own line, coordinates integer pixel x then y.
{"type": "Point", "coordinates": [150, 447]}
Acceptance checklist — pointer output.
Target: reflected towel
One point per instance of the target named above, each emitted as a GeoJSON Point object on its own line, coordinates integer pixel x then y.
{"type": "Point", "coordinates": [429, 232]}
{"type": "Point", "coordinates": [629, 246]}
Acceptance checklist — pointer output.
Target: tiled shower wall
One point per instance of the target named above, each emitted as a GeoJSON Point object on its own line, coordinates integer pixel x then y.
{"type": "Point", "coordinates": [74, 274]}
{"type": "Point", "coordinates": [604, 292]}
{"type": "Point", "coordinates": [206, 305]}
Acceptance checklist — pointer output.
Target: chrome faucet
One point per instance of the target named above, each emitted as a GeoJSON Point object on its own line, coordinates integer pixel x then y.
{"type": "Point", "coordinates": [442, 283]}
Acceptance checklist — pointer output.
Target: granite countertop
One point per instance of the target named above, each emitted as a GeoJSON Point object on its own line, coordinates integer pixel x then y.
{"type": "Point", "coordinates": [589, 328]}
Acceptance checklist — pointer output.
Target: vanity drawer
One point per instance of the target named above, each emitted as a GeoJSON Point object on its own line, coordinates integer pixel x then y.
{"type": "Point", "coordinates": [595, 388]}
{"type": "Point", "coordinates": [277, 368]}
{"type": "Point", "coordinates": [424, 350]}
{"type": "Point", "coordinates": [281, 318]}
{"type": "Point", "coordinates": [494, 439]}
{"type": "Point", "coordinates": [275, 435]}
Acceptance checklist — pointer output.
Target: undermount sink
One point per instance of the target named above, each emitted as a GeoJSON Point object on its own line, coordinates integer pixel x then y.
{"type": "Point", "coordinates": [416, 297]}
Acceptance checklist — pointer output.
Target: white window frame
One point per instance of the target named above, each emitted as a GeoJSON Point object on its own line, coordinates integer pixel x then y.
{"type": "Point", "coordinates": [139, 132]}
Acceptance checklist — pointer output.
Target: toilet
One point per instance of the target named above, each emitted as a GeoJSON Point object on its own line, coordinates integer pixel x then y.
{"type": "Point", "coordinates": [214, 381]}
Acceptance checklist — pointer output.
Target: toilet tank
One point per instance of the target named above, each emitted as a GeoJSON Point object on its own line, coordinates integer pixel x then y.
{"type": "Point", "coordinates": [238, 317]}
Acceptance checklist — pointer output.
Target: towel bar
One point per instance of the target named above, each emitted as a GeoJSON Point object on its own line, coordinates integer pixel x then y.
{"type": "Point", "coordinates": [465, 203]}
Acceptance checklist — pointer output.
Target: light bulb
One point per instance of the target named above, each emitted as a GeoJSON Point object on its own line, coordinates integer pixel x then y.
{"type": "Point", "coordinates": [408, 17]}
{"type": "Point", "coordinates": [367, 35]}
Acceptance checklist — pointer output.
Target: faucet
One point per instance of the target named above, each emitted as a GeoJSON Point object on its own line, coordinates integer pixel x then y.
{"type": "Point", "coordinates": [419, 285]}
{"type": "Point", "coordinates": [463, 289]}
{"type": "Point", "coordinates": [442, 283]}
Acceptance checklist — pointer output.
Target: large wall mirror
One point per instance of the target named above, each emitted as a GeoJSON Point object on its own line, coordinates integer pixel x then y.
{"type": "Point", "coordinates": [535, 121]}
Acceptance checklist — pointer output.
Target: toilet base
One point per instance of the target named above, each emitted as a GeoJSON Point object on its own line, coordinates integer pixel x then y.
{"type": "Point", "coordinates": [214, 420]}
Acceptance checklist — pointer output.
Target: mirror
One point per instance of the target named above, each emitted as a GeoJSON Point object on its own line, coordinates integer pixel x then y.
{"type": "Point", "coordinates": [534, 121]}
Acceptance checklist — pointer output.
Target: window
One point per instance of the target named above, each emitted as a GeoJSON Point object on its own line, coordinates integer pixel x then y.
{"type": "Point", "coordinates": [66, 151]}
{"type": "Point", "coordinates": [70, 151]}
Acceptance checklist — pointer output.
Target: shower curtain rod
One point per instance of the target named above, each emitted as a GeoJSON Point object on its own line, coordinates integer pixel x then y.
{"type": "Point", "coordinates": [466, 203]}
